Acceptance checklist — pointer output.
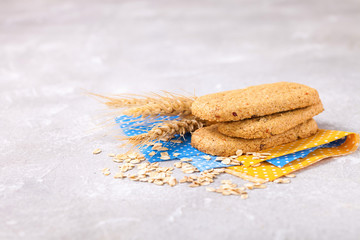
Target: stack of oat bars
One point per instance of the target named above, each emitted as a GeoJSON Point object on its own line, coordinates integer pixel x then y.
{"type": "Point", "coordinates": [255, 118]}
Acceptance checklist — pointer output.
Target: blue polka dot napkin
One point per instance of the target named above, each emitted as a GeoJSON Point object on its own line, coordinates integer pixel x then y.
{"type": "Point", "coordinates": [134, 126]}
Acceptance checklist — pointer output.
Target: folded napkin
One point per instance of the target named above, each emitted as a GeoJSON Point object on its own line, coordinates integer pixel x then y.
{"type": "Point", "coordinates": [283, 160]}
{"type": "Point", "coordinates": [297, 155]}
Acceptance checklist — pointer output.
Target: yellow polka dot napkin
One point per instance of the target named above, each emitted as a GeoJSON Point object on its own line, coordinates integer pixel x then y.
{"type": "Point", "coordinates": [258, 170]}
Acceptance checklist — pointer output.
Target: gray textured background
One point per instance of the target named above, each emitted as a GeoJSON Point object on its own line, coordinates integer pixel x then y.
{"type": "Point", "coordinates": [50, 183]}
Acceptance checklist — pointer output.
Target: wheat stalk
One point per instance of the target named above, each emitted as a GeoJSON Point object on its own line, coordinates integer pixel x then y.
{"type": "Point", "coordinates": [151, 104]}
{"type": "Point", "coordinates": [166, 129]}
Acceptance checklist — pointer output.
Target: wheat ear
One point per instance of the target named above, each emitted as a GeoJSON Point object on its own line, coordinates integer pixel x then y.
{"type": "Point", "coordinates": [151, 104]}
{"type": "Point", "coordinates": [122, 101]}
{"type": "Point", "coordinates": [167, 106]}
{"type": "Point", "coordinates": [166, 129]}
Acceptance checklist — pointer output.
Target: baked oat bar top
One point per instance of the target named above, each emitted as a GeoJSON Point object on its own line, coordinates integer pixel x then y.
{"type": "Point", "coordinates": [254, 101]}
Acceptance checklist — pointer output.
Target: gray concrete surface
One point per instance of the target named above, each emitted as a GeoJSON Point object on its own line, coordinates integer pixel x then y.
{"type": "Point", "coordinates": [51, 50]}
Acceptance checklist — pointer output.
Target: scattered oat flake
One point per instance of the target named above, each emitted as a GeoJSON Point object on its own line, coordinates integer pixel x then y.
{"type": "Point", "coordinates": [226, 161]}
{"type": "Point", "coordinates": [117, 160]}
{"type": "Point", "coordinates": [97, 151]}
{"type": "Point", "coordinates": [194, 185]}
{"type": "Point", "coordinates": [244, 195]}
{"type": "Point", "coordinates": [291, 175]}
{"type": "Point", "coordinates": [165, 156]}
{"type": "Point", "coordinates": [183, 180]}
{"type": "Point", "coordinates": [172, 181]}
{"type": "Point", "coordinates": [176, 154]}
{"type": "Point", "coordinates": [111, 155]}
{"type": "Point", "coordinates": [226, 193]}
{"type": "Point", "coordinates": [159, 182]}
{"type": "Point", "coordinates": [121, 156]}
{"type": "Point", "coordinates": [152, 154]}
{"type": "Point", "coordinates": [163, 149]}
{"type": "Point", "coordinates": [133, 177]}
{"type": "Point", "coordinates": [282, 180]}
{"type": "Point", "coordinates": [205, 183]}
{"type": "Point", "coordinates": [265, 154]}
{"type": "Point", "coordinates": [239, 152]}
{"type": "Point", "coordinates": [189, 171]}
{"type": "Point", "coordinates": [259, 186]}
{"type": "Point", "coordinates": [207, 157]}
{"type": "Point", "coordinates": [106, 171]}
{"type": "Point", "coordinates": [119, 175]}
{"type": "Point", "coordinates": [219, 158]}
{"type": "Point", "coordinates": [132, 155]}
{"type": "Point", "coordinates": [135, 161]}
{"type": "Point", "coordinates": [178, 164]}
